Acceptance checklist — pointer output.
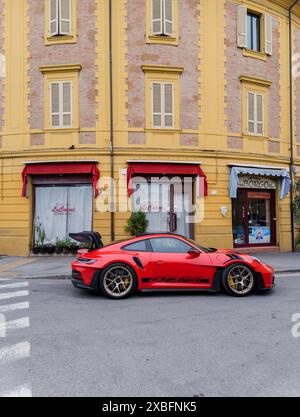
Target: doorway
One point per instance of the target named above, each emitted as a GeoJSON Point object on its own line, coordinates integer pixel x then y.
{"type": "Point", "coordinates": [167, 202]}
{"type": "Point", "coordinates": [254, 218]}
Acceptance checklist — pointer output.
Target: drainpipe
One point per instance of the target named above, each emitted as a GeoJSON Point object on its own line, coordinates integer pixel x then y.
{"type": "Point", "coordinates": [111, 139]}
{"type": "Point", "coordinates": [292, 123]}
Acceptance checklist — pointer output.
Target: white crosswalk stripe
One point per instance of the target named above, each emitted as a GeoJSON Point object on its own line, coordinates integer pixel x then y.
{"type": "Point", "coordinates": [22, 391]}
{"type": "Point", "coordinates": [15, 285]}
{"type": "Point", "coordinates": [8, 295]}
{"type": "Point", "coordinates": [22, 323]}
{"type": "Point", "coordinates": [12, 307]}
{"type": "Point", "coordinates": [11, 325]}
{"type": "Point", "coordinates": [14, 352]}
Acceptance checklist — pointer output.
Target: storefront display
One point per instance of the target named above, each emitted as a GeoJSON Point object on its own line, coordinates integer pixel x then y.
{"type": "Point", "coordinates": [253, 217]}
{"type": "Point", "coordinates": [60, 210]}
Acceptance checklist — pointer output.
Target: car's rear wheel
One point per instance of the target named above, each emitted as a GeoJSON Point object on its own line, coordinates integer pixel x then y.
{"type": "Point", "coordinates": [118, 281]}
{"type": "Point", "coordinates": [238, 280]}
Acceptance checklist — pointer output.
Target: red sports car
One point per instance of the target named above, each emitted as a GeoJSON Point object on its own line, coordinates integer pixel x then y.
{"type": "Point", "coordinates": [165, 261]}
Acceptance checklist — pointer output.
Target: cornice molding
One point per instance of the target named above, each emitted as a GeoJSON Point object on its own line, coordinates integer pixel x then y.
{"type": "Point", "coordinates": [162, 68]}
{"type": "Point", "coordinates": [255, 80]}
{"type": "Point", "coordinates": [60, 68]}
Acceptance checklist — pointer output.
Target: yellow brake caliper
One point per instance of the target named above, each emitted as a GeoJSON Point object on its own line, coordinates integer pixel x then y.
{"type": "Point", "coordinates": [126, 282]}
{"type": "Point", "coordinates": [230, 281]}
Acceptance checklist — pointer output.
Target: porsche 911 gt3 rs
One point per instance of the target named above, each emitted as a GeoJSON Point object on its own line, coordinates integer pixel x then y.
{"type": "Point", "coordinates": [165, 261]}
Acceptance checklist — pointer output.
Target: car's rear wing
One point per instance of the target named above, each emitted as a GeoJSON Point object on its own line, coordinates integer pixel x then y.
{"type": "Point", "coordinates": [93, 239]}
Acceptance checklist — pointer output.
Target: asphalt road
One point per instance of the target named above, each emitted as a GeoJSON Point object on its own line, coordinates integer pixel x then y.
{"type": "Point", "coordinates": [153, 344]}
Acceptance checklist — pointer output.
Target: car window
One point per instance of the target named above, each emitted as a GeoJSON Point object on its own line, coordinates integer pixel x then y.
{"type": "Point", "coordinates": [140, 246]}
{"type": "Point", "coordinates": [169, 245]}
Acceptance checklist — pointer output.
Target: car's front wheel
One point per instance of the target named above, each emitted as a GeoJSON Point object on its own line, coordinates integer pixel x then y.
{"type": "Point", "coordinates": [238, 280]}
{"type": "Point", "coordinates": [118, 281]}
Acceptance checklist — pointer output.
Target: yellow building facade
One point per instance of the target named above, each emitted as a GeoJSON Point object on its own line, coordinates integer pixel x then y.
{"type": "Point", "coordinates": [187, 90]}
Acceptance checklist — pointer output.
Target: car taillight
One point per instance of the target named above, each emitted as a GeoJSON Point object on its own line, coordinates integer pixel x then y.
{"type": "Point", "coordinates": [86, 261]}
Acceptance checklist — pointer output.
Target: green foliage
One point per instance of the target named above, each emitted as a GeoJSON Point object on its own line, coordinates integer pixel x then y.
{"type": "Point", "coordinates": [60, 243]}
{"type": "Point", "coordinates": [297, 212]}
{"type": "Point", "coordinates": [137, 223]}
{"type": "Point", "coordinates": [41, 234]}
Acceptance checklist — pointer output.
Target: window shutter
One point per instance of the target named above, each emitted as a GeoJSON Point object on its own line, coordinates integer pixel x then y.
{"type": "Point", "coordinates": [53, 17]}
{"type": "Point", "coordinates": [251, 112]}
{"type": "Point", "coordinates": [157, 104]}
{"type": "Point", "coordinates": [260, 114]}
{"type": "Point", "coordinates": [168, 17]}
{"type": "Point", "coordinates": [157, 13]}
{"type": "Point", "coordinates": [54, 105]}
{"type": "Point", "coordinates": [242, 26]}
{"type": "Point", "coordinates": [168, 105]}
{"type": "Point", "coordinates": [268, 34]}
{"type": "Point", "coordinates": [65, 8]}
{"type": "Point", "coordinates": [67, 104]}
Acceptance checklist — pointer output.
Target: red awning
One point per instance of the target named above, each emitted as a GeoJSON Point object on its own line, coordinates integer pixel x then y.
{"type": "Point", "coordinates": [142, 168]}
{"type": "Point", "coordinates": [61, 169]}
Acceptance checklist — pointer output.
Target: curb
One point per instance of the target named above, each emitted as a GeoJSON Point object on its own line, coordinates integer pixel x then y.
{"type": "Point", "coordinates": [288, 271]}
{"type": "Point", "coordinates": [50, 277]}
{"type": "Point", "coordinates": [68, 277]}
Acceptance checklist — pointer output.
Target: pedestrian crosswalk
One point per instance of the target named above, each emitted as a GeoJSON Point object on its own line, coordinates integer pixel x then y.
{"type": "Point", "coordinates": [14, 318]}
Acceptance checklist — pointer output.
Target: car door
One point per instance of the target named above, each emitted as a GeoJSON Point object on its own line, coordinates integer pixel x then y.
{"type": "Point", "coordinates": [173, 265]}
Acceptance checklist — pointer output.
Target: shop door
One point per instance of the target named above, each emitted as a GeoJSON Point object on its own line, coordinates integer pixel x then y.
{"type": "Point", "coordinates": [254, 218]}
{"type": "Point", "coordinates": [60, 210]}
{"type": "Point", "coordinates": [168, 206]}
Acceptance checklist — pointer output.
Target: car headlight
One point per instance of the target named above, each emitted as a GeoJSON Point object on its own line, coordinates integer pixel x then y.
{"type": "Point", "coordinates": [262, 263]}
{"type": "Point", "coordinates": [258, 260]}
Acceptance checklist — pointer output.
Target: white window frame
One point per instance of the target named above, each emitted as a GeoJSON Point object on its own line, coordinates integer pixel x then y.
{"type": "Point", "coordinates": [61, 113]}
{"type": "Point", "coordinates": [56, 32]}
{"type": "Point", "coordinates": [162, 20]}
{"type": "Point", "coordinates": [165, 20]}
{"type": "Point", "coordinates": [59, 20]}
{"type": "Point", "coordinates": [163, 113]}
{"type": "Point", "coordinates": [65, 20]}
{"type": "Point", "coordinates": [255, 121]}
{"type": "Point", "coordinates": [157, 20]}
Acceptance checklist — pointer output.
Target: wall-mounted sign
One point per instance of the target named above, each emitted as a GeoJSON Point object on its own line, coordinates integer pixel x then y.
{"type": "Point", "coordinates": [261, 183]}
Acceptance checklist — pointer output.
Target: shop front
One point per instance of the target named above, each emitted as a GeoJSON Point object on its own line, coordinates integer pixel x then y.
{"type": "Point", "coordinates": [254, 193]}
{"type": "Point", "coordinates": [167, 193]}
{"type": "Point", "coordinates": [62, 200]}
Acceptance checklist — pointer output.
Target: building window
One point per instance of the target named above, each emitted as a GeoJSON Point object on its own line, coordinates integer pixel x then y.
{"type": "Point", "coordinates": [61, 96]}
{"type": "Point", "coordinates": [162, 84]}
{"type": "Point", "coordinates": [60, 18]}
{"type": "Point", "coordinates": [61, 104]}
{"type": "Point", "coordinates": [255, 104]}
{"type": "Point", "coordinates": [162, 104]}
{"type": "Point", "coordinates": [253, 30]}
{"type": "Point", "coordinates": [162, 17]}
{"type": "Point", "coordinates": [162, 21]}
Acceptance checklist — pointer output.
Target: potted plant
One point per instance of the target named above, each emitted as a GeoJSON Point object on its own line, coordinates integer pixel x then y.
{"type": "Point", "coordinates": [67, 246]}
{"type": "Point", "coordinates": [41, 237]}
{"type": "Point", "coordinates": [74, 248]}
{"type": "Point", "coordinates": [43, 249]}
{"type": "Point", "coordinates": [137, 223]}
{"type": "Point", "coordinates": [35, 249]}
{"type": "Point", "coordinates": [59, 245]}
{"type": "Point", "coordinates": [50, 249]}
{"type": "Point", "coordinates": [298, 243]}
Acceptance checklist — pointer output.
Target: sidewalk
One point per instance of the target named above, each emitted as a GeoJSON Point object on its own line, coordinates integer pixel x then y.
{"type": "Point", "coordinates": [60, 267]}
{"type": "Point", "coordinates": [282, 262]}
{"type": "Point", "coordinates": [36, 267]}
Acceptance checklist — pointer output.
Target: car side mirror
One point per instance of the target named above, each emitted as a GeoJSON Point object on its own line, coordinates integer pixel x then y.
{"type": "Point", "coordinates": [193, 253]}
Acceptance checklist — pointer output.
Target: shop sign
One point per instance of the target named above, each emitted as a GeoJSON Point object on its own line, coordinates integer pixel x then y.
{"type": "Point", "coordinates": [261, 183]}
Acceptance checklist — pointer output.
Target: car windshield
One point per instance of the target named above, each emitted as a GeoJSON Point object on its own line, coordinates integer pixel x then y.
{"type": "Point", "coordinates": [203, 248]}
